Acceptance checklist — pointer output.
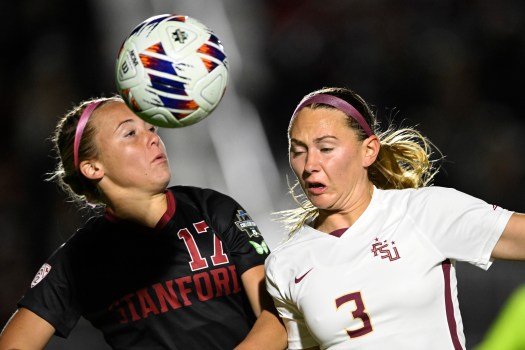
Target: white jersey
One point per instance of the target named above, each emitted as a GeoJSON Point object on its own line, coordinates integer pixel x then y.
{"type": "Point", "coordinates": [389, 281]}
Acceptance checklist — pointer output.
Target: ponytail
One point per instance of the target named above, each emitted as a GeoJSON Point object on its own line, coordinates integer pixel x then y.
{"type": "Point", "coordinates": [405, 159]}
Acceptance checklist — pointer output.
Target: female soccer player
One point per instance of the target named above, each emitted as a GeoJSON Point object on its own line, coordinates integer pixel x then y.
{"type": "Point", "coordinates": [369, 263]}
{"type": "Point", "coordinates": [160, 268]}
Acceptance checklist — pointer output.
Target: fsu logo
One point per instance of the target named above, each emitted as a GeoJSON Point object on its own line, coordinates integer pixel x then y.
{"type": "Point", "coordinates": [44, 270]}
{"type": "Point", "coordinates": [246, 224]}
{"type": "Point", "coordinates": [385, 250]}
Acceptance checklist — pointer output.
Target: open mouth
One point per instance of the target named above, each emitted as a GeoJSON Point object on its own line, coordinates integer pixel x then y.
{"type": "Point", "coordinates": [315, 187]}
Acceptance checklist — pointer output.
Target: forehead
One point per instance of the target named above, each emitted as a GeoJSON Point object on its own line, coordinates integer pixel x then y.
{"type": "Point", "coordinates": [111, 114]}
{"type": "Point", "coordinates": [319, 121]}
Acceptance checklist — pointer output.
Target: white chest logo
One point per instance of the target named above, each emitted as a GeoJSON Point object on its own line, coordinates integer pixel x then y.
{"type": "Point", "coordinates": [44, 270]}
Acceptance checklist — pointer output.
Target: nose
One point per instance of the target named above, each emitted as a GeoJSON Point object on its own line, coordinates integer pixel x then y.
{"type": "Point", "coordinates": [153, 138]}
{"type": "Point", "coordinates": [311, 164]}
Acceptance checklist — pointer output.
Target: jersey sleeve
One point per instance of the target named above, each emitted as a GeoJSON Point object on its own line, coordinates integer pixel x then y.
{"type": "Point", "coordinates": [459, 226]}
{"type": "Point", "coordinates": [51, 294]}
{"type": "Point", "coordinates": [299, 336]}
{"type": "Point", "coordinates": [237, 230]}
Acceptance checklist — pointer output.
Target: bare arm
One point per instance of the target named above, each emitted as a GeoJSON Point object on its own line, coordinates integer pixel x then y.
{"type": "Point", "coordinates": [26, 330]}
{"type": "Point", "coordinates": [268, 331]}
{"type": "Point", "coordinates": [511, 245]}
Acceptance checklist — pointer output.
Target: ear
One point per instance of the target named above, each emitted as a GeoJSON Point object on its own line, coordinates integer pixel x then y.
{"type": "Point", "coordinates": [371, 148]}
{"type": "Point", "coordinates": [91, 169]}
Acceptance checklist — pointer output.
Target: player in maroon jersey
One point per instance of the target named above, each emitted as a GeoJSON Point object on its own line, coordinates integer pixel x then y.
{"type": "Point", "coordinates": [160, 268]}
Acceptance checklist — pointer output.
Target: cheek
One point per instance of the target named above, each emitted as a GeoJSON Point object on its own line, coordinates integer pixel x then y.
{"type": "Point", "coordinates": [117, 157]}
{"type": "Point", "coordinates": [347, 163]}
{"type": "Point", "coordinates": [295, 165]}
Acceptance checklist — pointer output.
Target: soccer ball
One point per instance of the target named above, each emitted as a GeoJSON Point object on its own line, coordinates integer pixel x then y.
{"type": "Point", "coordinates": [172, 71]}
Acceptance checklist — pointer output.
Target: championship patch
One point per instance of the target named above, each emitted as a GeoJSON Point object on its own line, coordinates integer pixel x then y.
{"type": "Point", "coordinates": [246, 224]}
{"type": "Point", "coordinates": [41, 274]}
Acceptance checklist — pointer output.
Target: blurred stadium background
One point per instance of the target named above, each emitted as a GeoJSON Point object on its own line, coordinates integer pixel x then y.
{"type": "Point", "coordinates": [453, 68]}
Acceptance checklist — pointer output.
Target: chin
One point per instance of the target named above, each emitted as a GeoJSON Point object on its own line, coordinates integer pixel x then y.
{"type": "Point", "coordinates": [166, 182]}
{"type": "Point", "coordinates": [318, 203]}
{"type": "Point", "coordinates": [161, 183]}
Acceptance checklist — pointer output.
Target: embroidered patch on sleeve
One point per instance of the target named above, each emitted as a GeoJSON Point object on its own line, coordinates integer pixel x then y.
{"type": "Point", "coordinates": [246, 224]}
{"type": "Point", "coordinates": [41, 274]}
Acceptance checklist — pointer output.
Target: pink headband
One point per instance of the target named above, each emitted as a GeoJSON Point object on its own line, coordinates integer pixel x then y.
{"type": "Point", "coordinates": [338, 103]}
{"type": "Point", "coordinates": [82, 121]}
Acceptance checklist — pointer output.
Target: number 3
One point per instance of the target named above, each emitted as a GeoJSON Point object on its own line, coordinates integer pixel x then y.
{"type": "Point", "coordinates": [359, 312]}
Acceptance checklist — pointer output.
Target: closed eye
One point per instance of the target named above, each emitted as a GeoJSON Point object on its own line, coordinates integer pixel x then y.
{"type": "Point", "coordinates": [296, 152]}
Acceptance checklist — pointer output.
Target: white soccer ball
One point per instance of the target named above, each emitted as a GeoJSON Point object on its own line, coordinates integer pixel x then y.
{"type": "Point", "coordinates": [172, 70]}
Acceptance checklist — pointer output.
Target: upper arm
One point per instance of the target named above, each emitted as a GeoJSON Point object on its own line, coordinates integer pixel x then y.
{"type": "Point", "coordinates": [26, 330]}
{"type": "Point", "coordinates": [511, 244]}
{"type": "Point", "coordinates": [268, 332]}
{"type": "Point", "coordinates": [253, 283]}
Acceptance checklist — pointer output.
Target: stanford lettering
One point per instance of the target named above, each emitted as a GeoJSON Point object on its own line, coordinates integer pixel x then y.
{"type": "Point", "coordinates": [176, 286]}
{"type": "Point", "coordinates": [176, 293]}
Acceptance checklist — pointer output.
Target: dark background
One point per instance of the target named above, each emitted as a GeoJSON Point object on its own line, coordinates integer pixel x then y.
{"type": "Point", "coordinates": [452, 68]}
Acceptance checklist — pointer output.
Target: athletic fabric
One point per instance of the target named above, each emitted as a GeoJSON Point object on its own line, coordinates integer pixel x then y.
{"type": "Point", "coordinates": [389, 280]}
{"type": "Point", "coordinates": [177, 286]}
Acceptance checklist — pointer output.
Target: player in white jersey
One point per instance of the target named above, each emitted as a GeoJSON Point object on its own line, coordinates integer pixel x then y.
{"type": "Point", "coordinates": [370, 259]}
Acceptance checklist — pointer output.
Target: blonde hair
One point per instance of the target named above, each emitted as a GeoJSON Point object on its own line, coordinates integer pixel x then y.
{"type": "Point", "coordinates": [405, 159]}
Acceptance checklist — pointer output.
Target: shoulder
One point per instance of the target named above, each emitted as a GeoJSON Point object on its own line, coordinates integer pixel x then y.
{"type": "Point", "coordinates": [80, 244]}
{"type": "Point", "coordinates": [442, 197]}
{"type": "Point", "coordinates": [414, 192]}
{"type": "Point", "coordinates": [440, 207]}
{"type": "Point", "coordinates": [295, 256]}
{"type": "Point", "coordinates": [221, 209]}
{"type": "Point", "coordinates": [431, 195]}
{"type": "Point", "coordinates": [88, 235]}
{"type": "Point", "coordinates": [295, 246]}
{"type": "Point", "coordinates": [201, 197]}
{"type": "Point", "coordinates": [419, 205]}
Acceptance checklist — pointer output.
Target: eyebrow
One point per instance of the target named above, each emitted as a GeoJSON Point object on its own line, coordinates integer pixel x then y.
{"type": "Point", "coordinates": [317, 140]}
{"type": "Point", "coordinates": [122, 123]}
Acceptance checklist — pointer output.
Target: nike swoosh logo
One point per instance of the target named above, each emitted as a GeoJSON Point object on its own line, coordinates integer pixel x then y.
{"type": "Point", "coordinates": [300, 278]}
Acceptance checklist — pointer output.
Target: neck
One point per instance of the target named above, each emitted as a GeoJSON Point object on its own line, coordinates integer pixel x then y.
{"type": "Point", "coordinates": [145, 210]}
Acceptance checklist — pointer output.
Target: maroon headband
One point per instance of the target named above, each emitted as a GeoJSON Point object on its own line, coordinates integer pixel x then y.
{"type": "Point", "coordinates": [338, 103]}
{"type": "Point", "coordinates": [82, 121]}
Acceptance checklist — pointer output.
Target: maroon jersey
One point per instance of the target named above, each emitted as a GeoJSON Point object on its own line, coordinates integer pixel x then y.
{"type": "Point", "coordinates": [176, 286]}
